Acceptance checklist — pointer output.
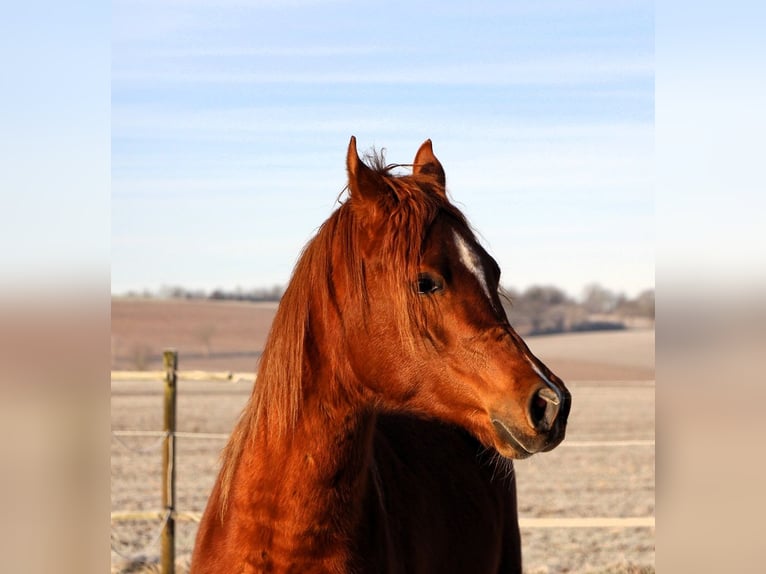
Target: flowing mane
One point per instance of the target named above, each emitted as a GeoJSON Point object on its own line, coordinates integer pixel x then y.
{"type": "Point", "coordinates": [413, 204]}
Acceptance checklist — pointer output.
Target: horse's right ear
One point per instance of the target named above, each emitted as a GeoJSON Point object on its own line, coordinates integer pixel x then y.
{"type": "Point", "coordinates": [426, 163]}
{"type": "Point", "coordinates": [363, 182]}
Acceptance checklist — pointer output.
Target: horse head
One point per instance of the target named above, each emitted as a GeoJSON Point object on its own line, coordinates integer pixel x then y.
{"type": "Point", "coordinates": [423, 325]}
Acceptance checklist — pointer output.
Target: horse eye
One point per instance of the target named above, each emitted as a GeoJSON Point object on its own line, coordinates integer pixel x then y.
{"type": "Point", "coordinates": [428, 284]}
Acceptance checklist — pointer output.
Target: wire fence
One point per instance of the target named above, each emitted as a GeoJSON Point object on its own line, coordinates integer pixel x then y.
{"type": "Point", "coordinates": [164, 519]}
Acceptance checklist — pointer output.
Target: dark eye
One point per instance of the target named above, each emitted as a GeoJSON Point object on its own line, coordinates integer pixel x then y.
{"type": "Point", "coordinates": [428, 284]}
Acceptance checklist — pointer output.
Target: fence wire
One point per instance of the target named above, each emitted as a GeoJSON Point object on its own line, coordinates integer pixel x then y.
{"type": "Point", "coordinates": [140, 552]}
{"type": "Point", "coordinates": [144, 450]}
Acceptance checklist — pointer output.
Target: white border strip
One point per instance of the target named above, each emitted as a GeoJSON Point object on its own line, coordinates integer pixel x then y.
{"type": "Point", "coordinates": [593, 522]}
{"type": "Point", "coordinates": [608, 443]}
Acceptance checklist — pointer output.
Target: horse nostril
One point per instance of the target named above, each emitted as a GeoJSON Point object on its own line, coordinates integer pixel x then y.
{"type": "Point", "coordinates": [544, 408]}
{"type": "Point", "coordinates": [537, 410]}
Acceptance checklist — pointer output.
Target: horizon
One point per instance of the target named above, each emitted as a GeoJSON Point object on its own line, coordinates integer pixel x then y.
{"type": "Point", "coordinates": [164, 291]}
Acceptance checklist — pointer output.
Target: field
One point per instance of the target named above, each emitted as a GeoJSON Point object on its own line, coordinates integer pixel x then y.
{"type": "Point", "coordinates": [604, 469]}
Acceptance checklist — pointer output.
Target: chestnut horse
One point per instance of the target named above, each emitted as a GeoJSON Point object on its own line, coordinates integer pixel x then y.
{"type": "Point", "coordinates": [391, 395]}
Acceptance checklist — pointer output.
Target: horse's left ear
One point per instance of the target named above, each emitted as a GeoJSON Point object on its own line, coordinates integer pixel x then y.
{"type": "Point", "coordinates": [426, 163]}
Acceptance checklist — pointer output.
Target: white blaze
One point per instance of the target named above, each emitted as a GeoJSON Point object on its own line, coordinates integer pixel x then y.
{"type": "Point", "coordinates": [472, 261]}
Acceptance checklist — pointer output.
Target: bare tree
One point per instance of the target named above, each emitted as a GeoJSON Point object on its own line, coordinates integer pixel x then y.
{"type": "Point", "coordinates": [597, 299]}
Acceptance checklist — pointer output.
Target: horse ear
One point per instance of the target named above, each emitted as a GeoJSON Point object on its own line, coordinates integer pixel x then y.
{"type": "Point", "coordinates": [426, 163]}
{"type": "Point", "coordinates": [363, 182]}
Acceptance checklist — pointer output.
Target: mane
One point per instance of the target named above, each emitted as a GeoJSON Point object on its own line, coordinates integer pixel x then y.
{"type": "Point", "coordinates": [412, 205]}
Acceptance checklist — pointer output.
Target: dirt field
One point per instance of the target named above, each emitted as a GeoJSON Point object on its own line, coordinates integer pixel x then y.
{"type": "Point", "coordinates": [604, 469]}
{"type": "Point", "coordinates": [209, 335]}
{"type": "Point", "coordinates": [229, 336]}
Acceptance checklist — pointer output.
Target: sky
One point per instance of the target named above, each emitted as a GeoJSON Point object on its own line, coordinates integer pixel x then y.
{"type": "Point", "coordinates": [54, 145]}
{"type": "Point", "coordinates": [230, 122]}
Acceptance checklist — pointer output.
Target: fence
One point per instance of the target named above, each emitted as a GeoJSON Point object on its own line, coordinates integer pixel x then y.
{"type": "Point", "coordinates": [169, 514]}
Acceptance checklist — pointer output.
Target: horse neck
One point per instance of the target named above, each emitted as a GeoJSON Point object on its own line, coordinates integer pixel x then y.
{"type": "Point", "coordinates": [301, 492]}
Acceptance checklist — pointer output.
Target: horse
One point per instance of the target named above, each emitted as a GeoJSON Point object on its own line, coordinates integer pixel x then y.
{"type": "Point", "coordinates": [391, 397]}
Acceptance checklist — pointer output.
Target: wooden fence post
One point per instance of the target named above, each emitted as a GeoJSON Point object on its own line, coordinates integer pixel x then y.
{"type": "Point", "coordinates": [168, 557]}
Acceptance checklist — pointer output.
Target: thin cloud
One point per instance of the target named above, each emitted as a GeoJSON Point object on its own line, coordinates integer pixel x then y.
{"type": "Point", "coordinates": [308, 51]}
{"type": "Point", "coordinates": [556, 72]}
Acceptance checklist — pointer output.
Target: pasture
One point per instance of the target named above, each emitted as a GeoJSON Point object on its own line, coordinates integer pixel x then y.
{"type": "Point", "coordinates": [603, 470]}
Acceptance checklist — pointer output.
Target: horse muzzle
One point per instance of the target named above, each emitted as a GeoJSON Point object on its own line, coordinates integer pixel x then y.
{"type": "Point", "coordinates": [545, 428]}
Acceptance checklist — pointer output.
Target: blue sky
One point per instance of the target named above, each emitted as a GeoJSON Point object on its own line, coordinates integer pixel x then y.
{"type": "Point", "coordinates": [230, 122]}
{"type": "Point", "coordinates": [54, 145]}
